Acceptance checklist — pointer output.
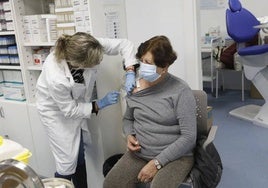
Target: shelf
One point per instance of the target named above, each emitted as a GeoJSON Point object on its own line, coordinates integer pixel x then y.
{"type": "Point", "coordinates": [7, 33]}
{"type": "Point", "coordinates": [71, 24]}
{"type": "Point", "coordinates": [13, 67]}
{"type": "Point", "coordinates": [66, 9]}
{"type": "Point", "coordinates": [2, 99]}
{"type": "Point", "coordinates": [206, 49]}
{"type": "Point", "coordinates": [40, 44]}
{"type": "Point", "coordinates": [35, 67]}
{"type": "Point", "coordinates": [48, 16]}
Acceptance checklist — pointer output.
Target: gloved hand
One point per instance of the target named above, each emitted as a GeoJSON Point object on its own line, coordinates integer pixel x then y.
{"type": "Point", "coordinates": [130, 82]}
{"type": "Point", "coordinates": [109, 99]}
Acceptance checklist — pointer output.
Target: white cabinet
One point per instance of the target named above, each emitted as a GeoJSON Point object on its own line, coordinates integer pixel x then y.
{"type": "Point", "coordinates": [15, 125]}
{"type": "Point", "coordinates": [19, 120]}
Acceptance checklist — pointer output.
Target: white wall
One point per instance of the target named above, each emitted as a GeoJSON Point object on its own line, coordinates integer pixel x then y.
{"type": "Point", "coordinates": [140, 20]}
{"type": "Point", "coordinates": [216, 17]}
{"type": "Point", "coordinates": [106, 127]}
{"type": "Point", "coordinates": [177, 20]}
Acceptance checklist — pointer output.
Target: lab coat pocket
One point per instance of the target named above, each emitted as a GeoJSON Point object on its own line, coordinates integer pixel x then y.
{"type": "Point", "coordinates": [78, 90]}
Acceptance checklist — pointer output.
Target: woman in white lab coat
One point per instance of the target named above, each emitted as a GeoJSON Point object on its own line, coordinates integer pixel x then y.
{"type": "Point", "coordinates": [64, 96]}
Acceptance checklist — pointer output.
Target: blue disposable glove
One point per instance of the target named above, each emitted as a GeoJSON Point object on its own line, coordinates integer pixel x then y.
{"type": "Point", "coordinates": [109, 99]}
{"type": "Point", "coordinates": [130, 82]}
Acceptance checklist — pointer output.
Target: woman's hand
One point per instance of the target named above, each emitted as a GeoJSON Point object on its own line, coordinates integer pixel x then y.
{"type": "Point", "coordinates": [147, 172]}
{"type": "Point", "coordinates": [132, 143]}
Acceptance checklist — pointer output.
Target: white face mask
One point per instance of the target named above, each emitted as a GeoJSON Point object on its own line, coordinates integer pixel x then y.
{"type": "Point", "coordinates": [148, 72]}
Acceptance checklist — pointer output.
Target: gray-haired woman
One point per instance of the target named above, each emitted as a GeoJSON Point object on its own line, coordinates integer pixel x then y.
{"type": "Point", "coordinates": [159, 123]}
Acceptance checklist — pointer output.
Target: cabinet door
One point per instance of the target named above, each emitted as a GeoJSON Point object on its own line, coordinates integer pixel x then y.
{"type": "Point", "coordinates": [45, 159]}
{"type": "Point", "coordinates": [15, 125]}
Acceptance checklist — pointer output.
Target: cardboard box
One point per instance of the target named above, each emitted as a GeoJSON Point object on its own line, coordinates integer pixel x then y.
{"type": "Point", "coordinates": [210, 118]}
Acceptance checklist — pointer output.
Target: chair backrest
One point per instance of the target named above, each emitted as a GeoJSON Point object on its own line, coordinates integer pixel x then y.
{"type": "Point", "coordinates": [201, 112]}
{"type": "Point", "coordinates": [240, 22]}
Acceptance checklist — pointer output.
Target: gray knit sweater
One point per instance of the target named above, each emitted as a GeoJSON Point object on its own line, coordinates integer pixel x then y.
{"type": "Point", "coordinates": [162, 118]}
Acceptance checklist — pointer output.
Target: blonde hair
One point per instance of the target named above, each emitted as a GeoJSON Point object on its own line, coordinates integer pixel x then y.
{"type": "Point", "coordinates": [80, 49]}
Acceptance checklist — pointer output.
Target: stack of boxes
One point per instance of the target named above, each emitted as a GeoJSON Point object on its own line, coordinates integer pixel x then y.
{"type": "Point", "coordinates": [39, 28]}
{"type": "Point", "coordinates": [6, 19]}
{"type": "Point", "coordinates": [11, 85]}
{"type": "Point", "coordinates": [8, 51]}
{"type": "Point", "coordinates": [65, 17]}
{"type": "Point", "coordinates": [82, 16]}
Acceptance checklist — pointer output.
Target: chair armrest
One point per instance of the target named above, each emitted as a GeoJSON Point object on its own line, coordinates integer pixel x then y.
{"type": "Point", "coordinates": [211, 136]}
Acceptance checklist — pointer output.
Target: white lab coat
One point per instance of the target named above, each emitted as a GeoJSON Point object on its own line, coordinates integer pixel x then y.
{"type": "Point", "coordinates": [64, 105]}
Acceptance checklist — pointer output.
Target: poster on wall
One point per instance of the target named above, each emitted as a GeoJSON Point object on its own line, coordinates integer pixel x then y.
{"type": "Point", "coordinates": [212, 4]}
{"type": "Point", "coordinates": [112, 21]}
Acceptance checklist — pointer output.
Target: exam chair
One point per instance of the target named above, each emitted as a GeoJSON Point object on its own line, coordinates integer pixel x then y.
{"type": "Point", "coordinates": [204, 129]}
{"type": "Point", "coordinates": [241, 27]}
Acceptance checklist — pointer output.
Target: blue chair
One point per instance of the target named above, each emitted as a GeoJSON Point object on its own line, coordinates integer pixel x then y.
{"type": "Point", "coordinates": [241, 27]}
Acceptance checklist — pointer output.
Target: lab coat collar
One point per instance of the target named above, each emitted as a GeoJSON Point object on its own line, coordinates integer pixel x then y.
{"type": "Point", "coordinates": [67, 71]}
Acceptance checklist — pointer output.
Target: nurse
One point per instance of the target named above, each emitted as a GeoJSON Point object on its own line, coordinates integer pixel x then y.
{"type": "Point", "coordinates": [64, 96]}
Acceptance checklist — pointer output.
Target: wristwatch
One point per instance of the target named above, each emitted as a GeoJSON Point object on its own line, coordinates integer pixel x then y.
{"type": "Point", "coordinates": [157, 164]}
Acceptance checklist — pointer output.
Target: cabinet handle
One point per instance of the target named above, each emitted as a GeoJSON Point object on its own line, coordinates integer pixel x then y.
{"type": "Point", "coordinates": [2, 114]}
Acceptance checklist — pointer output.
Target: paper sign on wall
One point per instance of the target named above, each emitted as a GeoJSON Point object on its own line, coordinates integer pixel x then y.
{"type": "Point", "coordinates": [112, 22]}
{"type": "Point", "coordinates": [212, 4]}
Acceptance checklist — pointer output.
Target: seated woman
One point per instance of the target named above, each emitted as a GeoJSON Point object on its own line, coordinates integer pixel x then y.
{"type": "Point", "coordinates": [159, 123]}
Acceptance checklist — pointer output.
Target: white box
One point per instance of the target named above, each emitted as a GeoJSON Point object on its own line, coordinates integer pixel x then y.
{"type": "Point", "coordinates": [51, 27]}
{"type": "Point", "coordinates": [3, 26]}
{"type": "Point", "coordinates": [6, 6]}
{"type": "Point", "coordinates": [14, 92]}
{"type": "Point", "coordinates": [40, 58]}
{"type": "Point", "coordinates": [76, 5]}
{"type": "Point", "coordinates": [8, 16]}
{"type": "Point", "coordinates": [10, 26]}
{"type": "Point", "coordinates": [79, 18]}
{"type": "Point", "coordinates": [27, 35]}
{"type": "Point", "coordinates": [39, 35]}
{"type": "Point", "coordinates": [27, 22]}
{"type": "Point", "coordinates": [38, 23]}
{"type": "Point", "coordinates": [80, 5]}
{"type": "Point", "coordinates": [12, 76]}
